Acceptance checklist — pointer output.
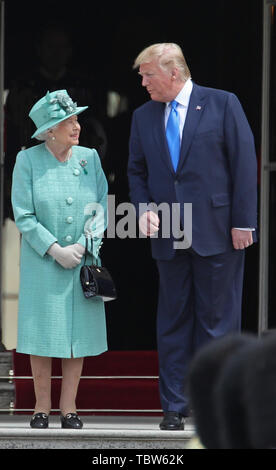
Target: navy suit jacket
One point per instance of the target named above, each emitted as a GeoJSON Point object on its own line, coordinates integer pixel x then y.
{"type": "Point", "coordinates": [217, 170]}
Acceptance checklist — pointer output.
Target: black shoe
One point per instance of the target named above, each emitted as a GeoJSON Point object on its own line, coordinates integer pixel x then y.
{"type": "Point", "coordinates": [172, 421]}
{"type": "Point", "coordinates": [71, 420]}
{"type": "Point", "coordinates": [39, 421]}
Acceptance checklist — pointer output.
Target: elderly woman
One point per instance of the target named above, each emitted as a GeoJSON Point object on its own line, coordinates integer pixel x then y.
{"type": "Point", "coordinates": [56, 184]}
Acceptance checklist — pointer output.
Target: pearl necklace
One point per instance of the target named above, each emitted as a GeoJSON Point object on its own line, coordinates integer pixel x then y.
{"type": "Point", "coordinates": [68, 156]}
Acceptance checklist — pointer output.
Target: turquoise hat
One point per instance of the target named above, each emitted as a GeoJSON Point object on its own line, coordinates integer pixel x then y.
{"type": "Point", "coordinates": [52, 109]}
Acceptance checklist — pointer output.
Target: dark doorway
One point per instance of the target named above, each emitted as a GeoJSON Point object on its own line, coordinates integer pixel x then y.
{"type": "Point", "coordinates": [89, 48]}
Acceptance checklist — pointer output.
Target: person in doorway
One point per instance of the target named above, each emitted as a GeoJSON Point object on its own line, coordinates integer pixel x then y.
{"type": "Point", "coordinates": [55, 185]}
{"type": "Point", "coordinates": [191, 144]}
{"type": "Point", "coordinates": [53, 67]}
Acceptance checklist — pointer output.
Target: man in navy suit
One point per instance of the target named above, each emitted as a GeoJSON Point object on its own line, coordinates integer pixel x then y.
{"type": "Point", "coordinates": [191, 144]}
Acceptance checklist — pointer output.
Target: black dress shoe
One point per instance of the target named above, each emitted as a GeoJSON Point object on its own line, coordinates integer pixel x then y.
{"type": "Point", "coordinates": [172, 421]}
{"type": "Point", "coordinates": [71, 421]}
{"type": "Point", "coordinates": [39, 421]}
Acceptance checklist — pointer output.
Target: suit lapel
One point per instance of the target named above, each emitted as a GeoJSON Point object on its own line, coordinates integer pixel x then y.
{"type": "Point", "coordinates": [160, 135]}
{"type": "Point", "coordinates": [194, 113]}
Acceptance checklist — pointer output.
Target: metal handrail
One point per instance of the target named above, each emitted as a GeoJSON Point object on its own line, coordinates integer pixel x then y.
{"type": "Point", "coordinates": [87, 410]}
{"type": "Point", "coordinates": [13, 377]}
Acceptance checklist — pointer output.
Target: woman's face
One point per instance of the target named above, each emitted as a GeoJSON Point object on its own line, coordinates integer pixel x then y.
{"type": "Point", "coordinates": [67, 132]}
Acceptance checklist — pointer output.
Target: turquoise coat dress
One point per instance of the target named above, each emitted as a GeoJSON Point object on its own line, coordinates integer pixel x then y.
{"type": "Point", "coordinates": [58, 202]}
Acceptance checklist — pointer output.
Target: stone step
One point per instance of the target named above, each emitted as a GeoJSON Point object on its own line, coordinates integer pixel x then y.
{"type": "Point", "coordinates": [99, 432]}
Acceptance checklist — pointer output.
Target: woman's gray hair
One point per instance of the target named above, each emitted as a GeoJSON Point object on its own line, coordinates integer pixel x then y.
{"type": "Point", "coordinates": [44, 135]}
{"type": "Point", "coordinates": [168, 55]}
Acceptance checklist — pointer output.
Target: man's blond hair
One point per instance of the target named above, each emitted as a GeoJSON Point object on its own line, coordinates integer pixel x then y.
{"type": "Point", "coordinates": [168, 56]}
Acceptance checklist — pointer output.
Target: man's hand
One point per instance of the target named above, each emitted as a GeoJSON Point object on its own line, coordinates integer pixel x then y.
{"type": "Point", "coordinates": [241, 238]}
{"type": "Point", "coordinates": [149, 223]}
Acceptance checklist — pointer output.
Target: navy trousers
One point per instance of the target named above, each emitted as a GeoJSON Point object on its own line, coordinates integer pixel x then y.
{"type": "Point", "coordinates": [199, 299]}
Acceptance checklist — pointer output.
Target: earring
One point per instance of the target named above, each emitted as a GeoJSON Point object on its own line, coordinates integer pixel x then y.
{"type": "Point", "coordinates": [53, 138]}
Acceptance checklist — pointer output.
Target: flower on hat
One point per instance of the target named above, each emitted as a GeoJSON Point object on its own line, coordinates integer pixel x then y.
{"type": "Point", "coordinates": [60, 106]}
{"type": "Point", "coordinates": [66, 103]}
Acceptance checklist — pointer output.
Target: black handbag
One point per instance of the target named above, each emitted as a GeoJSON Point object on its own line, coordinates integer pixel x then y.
{"type": "Point", "coordinates": [96, 281]}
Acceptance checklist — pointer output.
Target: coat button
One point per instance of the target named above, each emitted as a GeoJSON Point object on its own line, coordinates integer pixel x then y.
{"type": "Point", "coordinates": [69, 220]}
{"type": "Point", "coordinates": [69, 200]}
{"type": "Point", "coordinates": [76, 172]}
{"type": "Point", "coordinates": [68, 238]}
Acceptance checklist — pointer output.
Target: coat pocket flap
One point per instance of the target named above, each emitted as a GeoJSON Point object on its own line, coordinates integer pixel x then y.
{"type": "Point", "coordinates": [222, 199]}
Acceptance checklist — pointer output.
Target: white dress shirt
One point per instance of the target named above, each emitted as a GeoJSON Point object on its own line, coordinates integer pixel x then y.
{"type": "Point", "coordinates": [183, 99]}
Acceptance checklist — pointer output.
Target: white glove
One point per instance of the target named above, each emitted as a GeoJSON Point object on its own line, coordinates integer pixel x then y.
{"type": "Point", "coordinates": [69, 256]}
{"type": "Point", "coordinates": [80, 249]}
{"type": "Point", "coordinates": [149, 223]}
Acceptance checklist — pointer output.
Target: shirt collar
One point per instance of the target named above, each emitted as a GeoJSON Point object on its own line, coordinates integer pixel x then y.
{"type": "Point", "coordinates": [183, 96]}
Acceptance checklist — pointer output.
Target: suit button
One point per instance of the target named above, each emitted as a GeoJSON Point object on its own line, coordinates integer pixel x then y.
{"type": "Point", "coordinates": [176, 182]}
{"type": "Point", "coordinates": [68, 238]}
{"type": "Point", "coordinates": [69, 220]}
{"type": "Point", "coordinates": [69, 200]}
{"type": "Point", "coordinates": [76, 172]}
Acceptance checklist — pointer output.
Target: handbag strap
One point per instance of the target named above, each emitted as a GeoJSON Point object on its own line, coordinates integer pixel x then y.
{"type": "Point", "coordinates": [86, 249]}
{"type": "Point", "coordinates": [86, 253]}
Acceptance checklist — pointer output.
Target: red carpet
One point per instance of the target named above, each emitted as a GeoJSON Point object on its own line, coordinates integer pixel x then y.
{"type": "Point", "coordinates": [114, 395]}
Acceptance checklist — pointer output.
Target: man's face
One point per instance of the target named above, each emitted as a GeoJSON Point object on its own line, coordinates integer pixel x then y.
{"type": "Point", "coordinates": [157, 81]}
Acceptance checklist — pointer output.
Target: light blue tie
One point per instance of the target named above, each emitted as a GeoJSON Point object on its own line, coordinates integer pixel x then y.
{"type": "Point", "coordinates": [173, 134]}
